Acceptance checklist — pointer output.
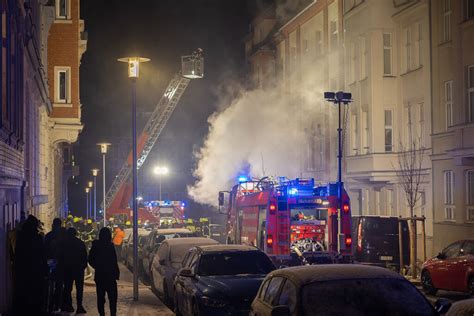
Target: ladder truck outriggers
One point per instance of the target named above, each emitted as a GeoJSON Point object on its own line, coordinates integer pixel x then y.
{"type": "Point", "coordinates": [290, 220]}
{"type": "Point", "coordinates": [119, 194]}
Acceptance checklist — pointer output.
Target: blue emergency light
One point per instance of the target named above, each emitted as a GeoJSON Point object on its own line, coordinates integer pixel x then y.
{"type": "Point", "coordinates": [242, 179]}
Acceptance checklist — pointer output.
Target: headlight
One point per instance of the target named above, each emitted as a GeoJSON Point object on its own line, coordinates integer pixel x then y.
{"type": "Point", "coordinates": [212, 302]}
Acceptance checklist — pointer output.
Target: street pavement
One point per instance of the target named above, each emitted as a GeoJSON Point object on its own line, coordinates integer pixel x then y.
{"type": "Point", "coordinates": [450, 295]}
{"type": "Point", "coordinates": [148, 303]}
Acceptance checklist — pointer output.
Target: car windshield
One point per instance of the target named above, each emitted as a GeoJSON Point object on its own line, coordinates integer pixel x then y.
{"type": "Point", "coordinates": [233, 263]}
{"type": "Point", "coordinates": [364, 297]}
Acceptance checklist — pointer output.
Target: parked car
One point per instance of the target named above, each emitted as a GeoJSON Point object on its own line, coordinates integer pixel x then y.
{"type": "Point", "coordinates": [128, 232]}
{"type": "Point", "coordinates": [376, 241]}
{"type": "Point", "coordinates": [168, 260]}
{"type": "Point", "coordinates": [155, 239]}
{"type": "Point", "coordinates": [338, 289]}
{"type": "Point", "coordinates": [220, 279]}
{"type": "Point", "coordinates": [452, 269]}
{"type": "Point", "coordinates": [142, 235]}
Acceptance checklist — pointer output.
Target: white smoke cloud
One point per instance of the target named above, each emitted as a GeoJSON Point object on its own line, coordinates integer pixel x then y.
{"type": "Point", "coordinates": [264, 129]}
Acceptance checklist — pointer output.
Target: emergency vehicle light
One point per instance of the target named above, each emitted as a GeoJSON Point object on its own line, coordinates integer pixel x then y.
{"type": "Point", "coordinates": [345, 208]}
{"type": "Point", "coordinates": [348, 241]}
{"type": "Point", "coordinates": [242, 179]}
{"type": "Point", "coordinates": [272, 208]}
{"type": "Point", "coordinates": [293, 191]}
{"type": "Point", "coordinates": [269, 240]}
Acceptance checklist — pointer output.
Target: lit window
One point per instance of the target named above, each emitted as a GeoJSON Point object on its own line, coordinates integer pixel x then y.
{"type": "Point", "coordinates": [470, 91]}
{"type": "Point", "coordinates": [446, 20]}
{"type": "Point", "coordinates": [388, 131]}
{"type": "Point", "coordinates": [448, 101]}
{"type": "Point", "coordinates": [387, 54]}
{"type": "Point", "coordinates": [62, 85]}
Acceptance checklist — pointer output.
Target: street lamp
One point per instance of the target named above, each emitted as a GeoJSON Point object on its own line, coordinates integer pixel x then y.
{"type": "Point", "coordinates": [133, 74]}
{"type": "Point", "coordinates": [338, 98]}
{"type": "Point", "coordinates": [90, 184]}
{"type": "Point", "coordinates": [87, 203]}
{"type": "Point", "coordinates": [103, 151]}
{"type": "Point", "coordinates": [160, 171]}
{"type": "Point", "coordinates": [95, 172]}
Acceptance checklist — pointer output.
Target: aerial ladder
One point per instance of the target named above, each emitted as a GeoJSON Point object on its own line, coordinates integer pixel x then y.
{"type": "Point", "coordinates": [119, 193]}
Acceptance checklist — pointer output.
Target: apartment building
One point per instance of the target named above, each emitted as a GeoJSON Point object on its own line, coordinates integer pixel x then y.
{"type": "Point", "coordinates": [453, 116]}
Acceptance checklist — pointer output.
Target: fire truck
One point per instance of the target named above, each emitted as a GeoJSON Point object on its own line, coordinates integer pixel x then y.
{"type": "Point", "coordinates": [287, 217]}
{"type": "Point", "coordinates": [167, 212]}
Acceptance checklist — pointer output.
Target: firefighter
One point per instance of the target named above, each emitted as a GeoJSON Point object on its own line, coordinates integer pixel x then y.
{"type": "Point", "coordinates": [88, 233]}
{"type": "Point", "coordinates": [119, 235]}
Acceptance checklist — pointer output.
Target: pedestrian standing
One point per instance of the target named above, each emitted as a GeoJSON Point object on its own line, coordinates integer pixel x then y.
{"type": "Point", "coordinates": [73, 259]}
{"type": "Point", "coordinates": [119, 235]}
{"type": "Point", "coordinates": [103, 259]}
{"type": "Point", "coordinates": [52, 242]}
{"type": "Point", "coordinates": [30, 268]}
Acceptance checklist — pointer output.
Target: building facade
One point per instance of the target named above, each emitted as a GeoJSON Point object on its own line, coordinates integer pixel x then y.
{"type": "Point", "coordinates": [453, 116]}
{"type": "Point", "coordinates": [40, 114]}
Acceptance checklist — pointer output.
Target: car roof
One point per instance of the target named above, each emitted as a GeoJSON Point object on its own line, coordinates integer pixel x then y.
{"type": "Point", "coordinates": [328, 272]}
{"type": "Point", "coordinates": [164, 231]}
{"type": "Point", "coordinates": [189, 241]}
{"type": "Point", "coordinates": [222, 248]}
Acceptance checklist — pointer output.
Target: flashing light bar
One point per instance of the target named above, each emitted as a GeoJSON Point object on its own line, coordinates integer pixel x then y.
{"type": "Point", "coordinates": [242, 179]}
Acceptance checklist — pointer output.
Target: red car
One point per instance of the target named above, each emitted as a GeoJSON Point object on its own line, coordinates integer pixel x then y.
{"type": "Point", "coordinates": [452, 269]}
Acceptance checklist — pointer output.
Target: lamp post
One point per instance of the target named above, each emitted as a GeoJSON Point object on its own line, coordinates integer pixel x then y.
{"type": "Point", "coordinates": [90, 184]}
{"type": "Point", "coordinates": [133, 74]}
{"type": "Point", "coordinates": [338, 98]}
{"type": "Point", "coordinates": [103, 151]}
{"type": "Point", "coordinates": [95, 172]}
{"type": "Point", "coordinates": [87, 203]}
{"type": "Point", "coordinates": [160, 171]}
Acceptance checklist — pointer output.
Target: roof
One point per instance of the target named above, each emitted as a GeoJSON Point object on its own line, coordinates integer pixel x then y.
{"type": "Point", "coordinates": [165, 231]}
{"type": "Point", "coordinates": [189, 241]}
{"type": "Point", "coordinates": [221, 248]}
{"type": "Point", "coordinates": [141, 232]}
{"type": "Point", "coordinates": [326, 272]}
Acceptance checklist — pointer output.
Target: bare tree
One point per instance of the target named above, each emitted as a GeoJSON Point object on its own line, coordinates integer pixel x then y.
{"type": "Point", "coordinates": [410, 176]}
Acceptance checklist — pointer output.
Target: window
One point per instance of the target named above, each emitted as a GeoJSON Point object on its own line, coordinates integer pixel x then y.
{"type": "Point", "coordinates": [470, 187]}
{"type": "Point", "coordinates": [448, 195]}
{"type": "Point", "coordinates": [448, 101]}
{"type": "Point", "coordinates": [388, 130]}
{"type": "Point", "coordinates": [365, 130]}
{"type": "Point", "coordinates": [419, 45]}
{"type": "Point", "coordinates": [446, 20]}
{"type": "Point", "coordinates": [354, 133]}
{"type": "Point", "coordinates": [318, 43]}
{"type": "Point", "coordinates": [363, 58]}
{"type": "Point", "coordinates": [407, 49]}
{"type": "Point", "coordinates": [288, 296]}
{"type": "Point", "coordinates": [468, 9]}
{"type": "Point", "coordinates": [333, 34]}
{"type": "Point", "coordinates": [264, 289]}
{"type": "Point", "coordinates": [62, 85]}
{"type": "Point", "coordinates": [468, 247]}
{"type": "Point", "coordinates": [62, 9]}
{"type": "Point", "coordinates": [452, 251]}
{"type": "Point", "coordinates": [272, 290]}
{"type": "Point", "coordinates": [470, 91]}
{"type": "Point", "coordinates": [387, 54]}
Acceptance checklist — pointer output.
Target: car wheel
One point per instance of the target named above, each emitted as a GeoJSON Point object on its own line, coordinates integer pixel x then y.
{"type": "Point", "coordinates": [427, 283]}
{"type": "Point", "coordinates": [471, 286]}
{"type": "Point", "coordinates": [195, 308]}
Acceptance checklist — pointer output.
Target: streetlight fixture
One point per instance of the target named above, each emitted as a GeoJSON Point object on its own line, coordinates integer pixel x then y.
{"type": "Point", "coordinates": [160, 171]}
{"type": "Point", "coordinates": [338, 98]}
{"type": "Point", "coordinates": [90, 184]}
{"type": "Point", "coordinates": [103, 151]}
{"type": "Point", "coordinates": [95, 172]}
{"type": "Point", "coordinates": [133, 74]}
{"type": "Point", "coordinates": [87, 203]}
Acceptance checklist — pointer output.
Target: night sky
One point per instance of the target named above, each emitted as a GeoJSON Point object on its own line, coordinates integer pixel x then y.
{"type": "Point", "coordinates": [162, 30]}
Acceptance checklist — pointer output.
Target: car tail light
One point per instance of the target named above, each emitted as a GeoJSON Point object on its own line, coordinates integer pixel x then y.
{"type": "Point", "coordinates": [346, 208]}
{"type": "Point", "coordinates": [348, 241]}
{"type": "Point", "coordinates": [270, 241]}
{"type": "Point", "coordinates": [272, 208]}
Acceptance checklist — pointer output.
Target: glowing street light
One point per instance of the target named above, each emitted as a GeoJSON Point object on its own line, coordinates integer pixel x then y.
{"type": "Point", "coordinates": [87, 202]}
{"type": "Point", "coordinates": [133, 74]}
{"type": "Point", "coordinates": [160, 171]}
{"type": "Point", "coordinates": [95, 172]}
{"type": "Point", "coordinates": [103, 151]}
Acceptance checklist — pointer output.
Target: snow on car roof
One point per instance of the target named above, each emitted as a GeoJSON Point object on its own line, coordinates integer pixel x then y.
{"type": "Point", "coordinates": [326, 272]}
{"type": "Point", "coordinates": [180, 246]}
{"type": "Point", "coordinates": [141, 232]}
{"type": "Point", "coordinates": [165, 231]}
{"type": "Point", "coordinates": [221, 248]}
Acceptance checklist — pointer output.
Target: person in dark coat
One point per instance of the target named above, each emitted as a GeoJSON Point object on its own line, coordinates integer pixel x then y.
{"type": "Point", "coordinates": [30, 269]}
{"type": "Point", "coordinates": [103, 259]}
{"type": "Point", "coordinates": [73, 260]}
{"type": "Point", "coordinates": [52, 242]}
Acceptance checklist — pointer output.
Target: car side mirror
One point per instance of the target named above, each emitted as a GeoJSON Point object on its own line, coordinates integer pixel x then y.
{"type": "Point", "coordinates": [281, 310]}
{"type": "Point", "coordinates": [162, 262]}
{"type": "Point", "coordinates": [442, 305]}
{"type": "Point", "coordinates": [185, 272]}
{"type": "Point", "coordinates": [441, 256]}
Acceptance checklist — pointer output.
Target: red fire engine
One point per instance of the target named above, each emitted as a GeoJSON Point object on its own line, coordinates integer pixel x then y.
{"type": "Point", "coordinates": [284, 216]}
